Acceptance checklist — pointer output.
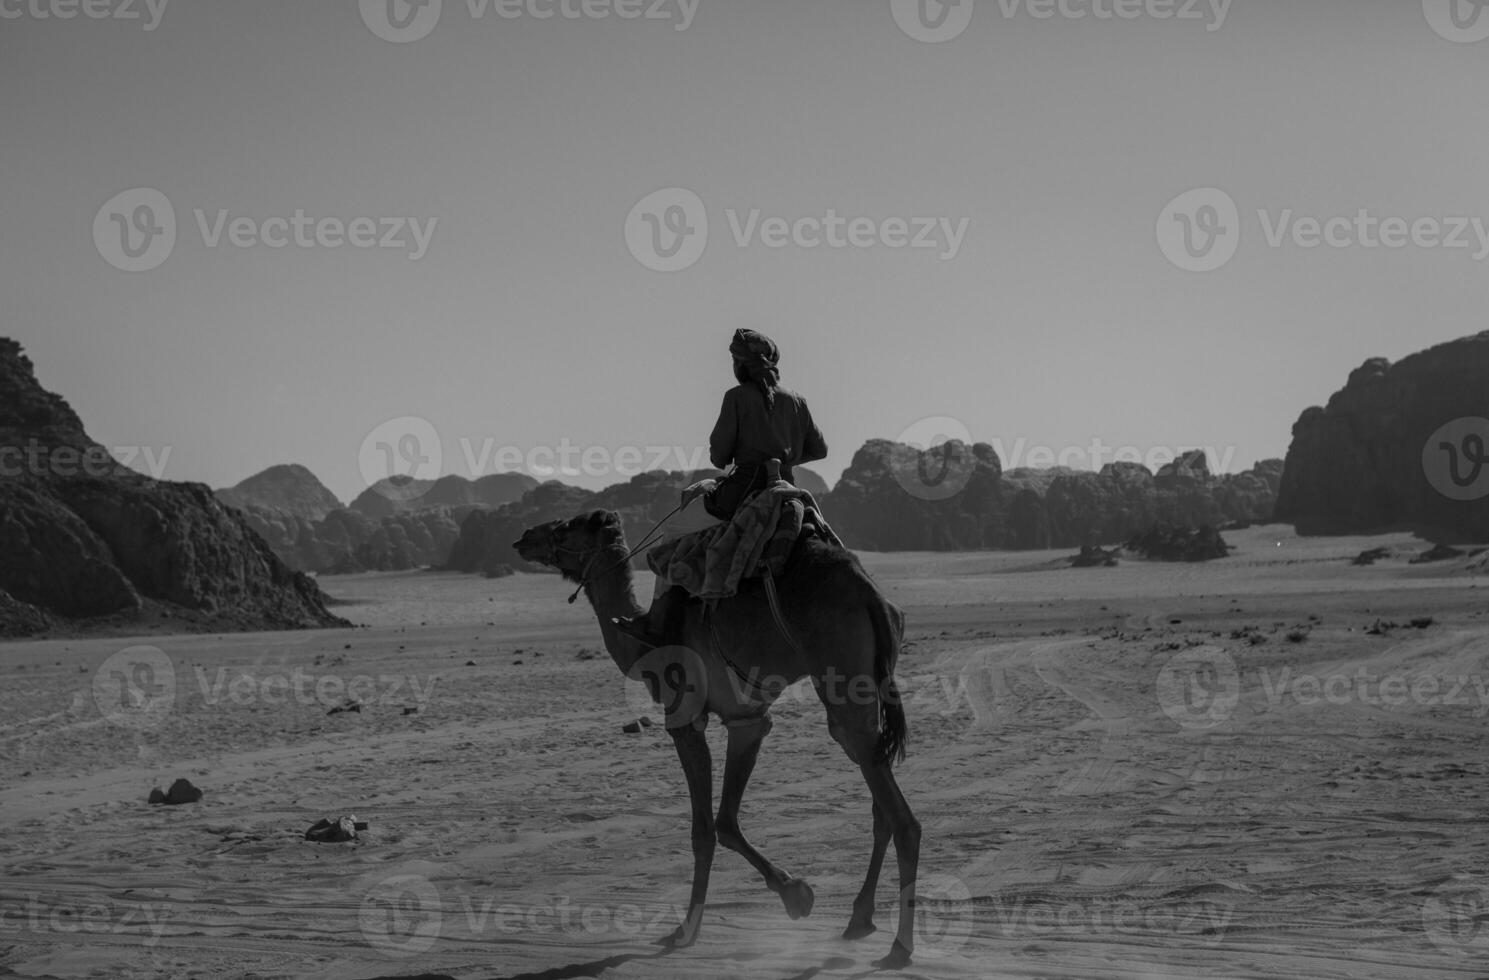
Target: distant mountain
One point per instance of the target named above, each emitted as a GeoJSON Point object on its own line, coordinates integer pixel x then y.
{"type": "Point", "coordinates": [291, 489]}
{"type": "Point", "coordinates": [1399, 444]}
{"type": "Point", "coordinates": [810, 481]}
{"type": "Point", "coordinates": [401, 494]}
{"type": "Point", "coordinates": [82, 537]}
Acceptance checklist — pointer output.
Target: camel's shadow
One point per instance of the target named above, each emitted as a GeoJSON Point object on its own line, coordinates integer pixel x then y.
{"type": "Point", "coordinates": [594, 968]}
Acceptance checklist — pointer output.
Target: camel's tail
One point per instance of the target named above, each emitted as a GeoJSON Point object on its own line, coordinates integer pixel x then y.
{"type": "Point", "coordinates": [889, 632]}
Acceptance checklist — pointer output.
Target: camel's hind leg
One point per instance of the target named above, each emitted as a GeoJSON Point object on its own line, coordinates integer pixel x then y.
{"type": "Point", "coordinates": [697, 765]}
{"type": "Point", "coordinates": [892, 821]}
{"type": "Point", "coordinates": [905, 831]}
{"type": "Point", "coordinates": [744, 747]}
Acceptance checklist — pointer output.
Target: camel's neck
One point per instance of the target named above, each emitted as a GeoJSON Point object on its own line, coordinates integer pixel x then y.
{"type": "Point", "coordinates": [611, 594]}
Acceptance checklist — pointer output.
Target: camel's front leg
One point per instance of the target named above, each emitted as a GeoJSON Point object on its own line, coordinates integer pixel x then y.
{"type": "Point", "coordinates": [744, 748]}
{"type": "Point", "coordinates": [697, 765]}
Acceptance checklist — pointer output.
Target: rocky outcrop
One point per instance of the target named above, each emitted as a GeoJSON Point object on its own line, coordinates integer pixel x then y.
{"type": "Point", "coordinates": [83, 537]}
{"type": "Point", "coordinates": [956, 497]}
{"type": "Point", "coordinates": [1165, 542]}
{"type": "Point", "coordinates": [289, 489]}
{"type": "Point", "coordinates": [1375, 455]}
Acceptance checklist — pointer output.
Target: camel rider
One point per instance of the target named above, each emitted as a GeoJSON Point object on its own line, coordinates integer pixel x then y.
{"type": "Point", "coordinates": [759, 421]}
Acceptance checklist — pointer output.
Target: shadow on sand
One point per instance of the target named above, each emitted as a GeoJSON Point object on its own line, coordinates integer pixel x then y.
{"type": "Point", "coordinates": [594, 968]}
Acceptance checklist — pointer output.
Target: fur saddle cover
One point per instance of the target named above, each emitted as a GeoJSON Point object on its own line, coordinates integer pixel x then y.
{"type": "Point", "coordinates": [711, 563]}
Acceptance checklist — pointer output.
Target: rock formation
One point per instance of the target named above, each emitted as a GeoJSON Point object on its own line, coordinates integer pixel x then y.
{"type": "Point", "coordinates": [1367, 461]}
{"type": "Point", "coordinates": [82, 536]}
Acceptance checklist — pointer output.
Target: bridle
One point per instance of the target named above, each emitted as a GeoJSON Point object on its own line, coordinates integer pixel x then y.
{"type": "Point", "coordinates": [584, 577]}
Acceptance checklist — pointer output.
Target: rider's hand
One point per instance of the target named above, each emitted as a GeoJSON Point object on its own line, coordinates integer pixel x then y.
{"type": "Point", "coordinates": [697, 490]}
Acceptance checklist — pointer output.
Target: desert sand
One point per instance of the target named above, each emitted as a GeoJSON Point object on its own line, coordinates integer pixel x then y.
{"type": "Point", "coordinates": [1144, 771]}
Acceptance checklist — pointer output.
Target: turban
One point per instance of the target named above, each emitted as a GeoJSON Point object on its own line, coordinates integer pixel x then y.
{"type": "Point", "coordinates": [755, 358]}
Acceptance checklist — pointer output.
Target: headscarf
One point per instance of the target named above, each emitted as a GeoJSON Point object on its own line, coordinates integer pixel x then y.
{"type": "Point", "coordinates": [756, 356]}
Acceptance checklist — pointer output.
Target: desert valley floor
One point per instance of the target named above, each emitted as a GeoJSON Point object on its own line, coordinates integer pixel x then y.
{"type": "Point", "coordinates": [1145, 771]}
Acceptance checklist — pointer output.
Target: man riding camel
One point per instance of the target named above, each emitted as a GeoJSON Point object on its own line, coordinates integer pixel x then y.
{"type": "Point", "coordinates": [759, 421]}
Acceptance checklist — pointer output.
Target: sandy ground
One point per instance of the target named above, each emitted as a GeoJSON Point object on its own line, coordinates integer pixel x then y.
{"type": "Point", "coordinates": [1142, 771]}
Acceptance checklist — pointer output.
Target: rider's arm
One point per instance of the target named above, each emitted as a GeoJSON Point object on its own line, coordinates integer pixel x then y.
{"type": "Point", "coordinates": [814, 446]}
{"type": "Point", "coordinates": [725, 438]}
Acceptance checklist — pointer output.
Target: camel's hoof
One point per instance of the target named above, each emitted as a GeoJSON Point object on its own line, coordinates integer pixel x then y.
{"type": "Point", "coordinates": [898, 958]}
{"type": "Point", "coordinates": [857, 930]}
{"type": "Point", "coordinates": [798, 898]}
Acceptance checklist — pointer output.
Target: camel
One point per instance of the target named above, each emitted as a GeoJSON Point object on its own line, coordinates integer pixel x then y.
{"type": "Point", "coordinates": [845, 636]}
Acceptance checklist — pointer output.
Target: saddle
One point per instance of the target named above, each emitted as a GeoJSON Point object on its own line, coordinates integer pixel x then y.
{"type": "Point", "coordinates": [759, 538]}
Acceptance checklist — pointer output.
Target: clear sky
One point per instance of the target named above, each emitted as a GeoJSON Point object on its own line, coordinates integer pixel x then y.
{"type": "Point", "coordinates": [1047, 148]}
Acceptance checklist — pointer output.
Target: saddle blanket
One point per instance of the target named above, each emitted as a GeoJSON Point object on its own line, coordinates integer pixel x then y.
{"type": "Point", "coordinates": [712, 562]}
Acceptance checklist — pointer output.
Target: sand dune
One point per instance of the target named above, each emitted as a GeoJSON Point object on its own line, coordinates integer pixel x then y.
{"type": "Point", "coordinates": [1145, 771]}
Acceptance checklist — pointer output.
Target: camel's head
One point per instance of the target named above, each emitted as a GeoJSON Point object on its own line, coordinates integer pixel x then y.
{"type": "Point", "coordinates": [571, 546]}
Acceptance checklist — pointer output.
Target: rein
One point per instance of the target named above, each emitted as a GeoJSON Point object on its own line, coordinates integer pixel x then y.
{"type": "Point", "coordinates": [646, 541]}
